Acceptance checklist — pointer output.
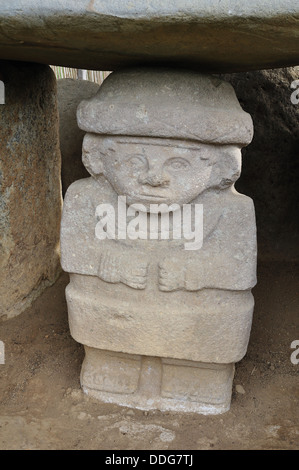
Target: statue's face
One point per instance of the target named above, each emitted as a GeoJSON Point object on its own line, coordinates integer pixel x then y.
{"type": "Point", "coordinates": [155, 171]}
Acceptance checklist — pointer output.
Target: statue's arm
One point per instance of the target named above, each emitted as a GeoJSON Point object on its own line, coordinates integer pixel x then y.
{"type": "Point", "coordinates": [226, 260]}
{"type": "Point", "coordinates": [83, 253]}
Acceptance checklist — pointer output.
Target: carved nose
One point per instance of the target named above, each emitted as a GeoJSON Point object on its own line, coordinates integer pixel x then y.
{"type": "Point", "coordinates": [154, 180]}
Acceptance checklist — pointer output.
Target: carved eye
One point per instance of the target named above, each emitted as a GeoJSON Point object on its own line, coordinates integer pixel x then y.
{"type": "Point", "coordinates": [177, 164]}
{"type": "Point", "coordinates": [137, 162]}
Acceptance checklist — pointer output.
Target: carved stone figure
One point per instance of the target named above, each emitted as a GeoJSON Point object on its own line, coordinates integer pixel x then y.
{"type": "Point", "coordinates": [163, 316]}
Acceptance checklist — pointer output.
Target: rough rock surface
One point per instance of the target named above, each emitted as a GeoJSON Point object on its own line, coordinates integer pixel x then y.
{"type": "Point", "coordinates": [70, 93]}
{"type": "Point", "coordinates": [98, 34]}
{"type": "Point", "coordinates": [30, 191]}
{"type": "Point", "coordinates": [270, 171]}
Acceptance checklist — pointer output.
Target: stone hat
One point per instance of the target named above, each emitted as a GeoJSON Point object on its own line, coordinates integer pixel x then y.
{"type": "Point", "coordinates": [167, 103]}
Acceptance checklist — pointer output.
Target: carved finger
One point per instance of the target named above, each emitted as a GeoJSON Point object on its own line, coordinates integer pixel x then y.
{"type": "Point", "coordinates": [108, 270]}
{"type": "Point", "coordinates": [133, 279]}
{"type": "Point", "coordinates": [141, 272]}
{"type": "Point", "coordinates": [135, 284]}
{"type": "Point", "coordinates": [168, 287]}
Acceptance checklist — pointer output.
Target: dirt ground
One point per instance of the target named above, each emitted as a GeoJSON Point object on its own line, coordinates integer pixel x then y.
{"type": "Point", "coordinates": [43, 407]}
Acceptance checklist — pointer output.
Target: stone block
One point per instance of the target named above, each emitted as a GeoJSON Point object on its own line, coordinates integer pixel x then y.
{"type": "Point", "coordinates": [206, 325]}
{"type": "Point", "coordinates": [30, 189]}
{"type": "Point", "coordinates": [111, 372]}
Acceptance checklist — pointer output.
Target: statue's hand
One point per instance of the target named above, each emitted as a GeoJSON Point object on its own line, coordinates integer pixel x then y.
{"type": "Point", "coordinates": [171, 274]}
{"type": "Point", "coordinates": [109, 268]}
{"type": "Point", "coordinates": [134, 272]}
{"type": "Point", "coordinates": [181, 272]}
{"type": "Point", "coordinates": [123, 268]}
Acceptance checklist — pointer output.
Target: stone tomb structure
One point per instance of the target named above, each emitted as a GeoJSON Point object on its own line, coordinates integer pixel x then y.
{"type": "Point", "coordinates": [212, 35]}
{"type": "Point", "coordinates": [30, 188]}
{"type": "Point", "coordinates": [163, 317]}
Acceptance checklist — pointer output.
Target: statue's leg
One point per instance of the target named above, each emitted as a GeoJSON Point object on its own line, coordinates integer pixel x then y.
{"type": "Point", "coordinates": [156, 383]}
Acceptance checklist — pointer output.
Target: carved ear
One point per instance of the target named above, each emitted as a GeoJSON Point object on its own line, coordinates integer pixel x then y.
{"type": "Point", "coordinates": [92, 162]}
{"type": "Point", "coordinates": [227, 167]}
{"type": "Point", "coordinates": [91, 155]}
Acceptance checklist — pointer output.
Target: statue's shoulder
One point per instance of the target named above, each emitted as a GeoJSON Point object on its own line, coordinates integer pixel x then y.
{"type": "Point", "coordinates": [227, 203]}
{"type": "Point", "coordinates": [87, 192]}
{"type": "Point", "coordinates": [243, 203]}
{"type": "Point", "coordinates": [79, 185]}
{"type": "Point", "coordinates": [238, 216]}
{"type": "Point", "coordinates": [235, 202]}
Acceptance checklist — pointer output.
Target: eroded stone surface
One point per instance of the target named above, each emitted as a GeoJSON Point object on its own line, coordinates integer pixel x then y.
{"type": "Point", "coordinates": [213, 35]}
{"type": "Point", "coordinates": [154, 383]}
{"type": "Point", "coordinates": [30, 192]}
{"type": "Point", "coordinates": [135, 291]}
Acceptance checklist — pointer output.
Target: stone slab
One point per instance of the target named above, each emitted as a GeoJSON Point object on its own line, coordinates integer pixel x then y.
{"type": "Point", "coordinates": [30, 188]}
{"type": "Point", "coordinates": [98, 34]}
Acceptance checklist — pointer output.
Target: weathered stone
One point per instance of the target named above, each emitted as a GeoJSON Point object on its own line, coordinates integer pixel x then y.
{"type": "Point", "coordinates": [207, 34]}
{"type": "Point", "coordinates": [152, 382]}
{"type": "Point", "coordinates": [182, 307]}
{"type": "Point", "coordinates": [136, 103]}
{"type": "Point", "coordinates": [30, 193]}
{"type": "Point", "coordinates": [270, 172]}
{"type": "Point", "coordinates": [146, 321]}
{"type": "Point", "coordinates": [70, 93]}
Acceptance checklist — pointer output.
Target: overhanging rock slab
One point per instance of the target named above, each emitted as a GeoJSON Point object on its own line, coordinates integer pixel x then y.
{"type": "Point", "coordinates": [211, 35]}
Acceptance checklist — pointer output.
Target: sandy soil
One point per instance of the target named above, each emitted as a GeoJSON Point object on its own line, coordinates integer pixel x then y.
{"type": "Point", "coordinates": [43, 407]}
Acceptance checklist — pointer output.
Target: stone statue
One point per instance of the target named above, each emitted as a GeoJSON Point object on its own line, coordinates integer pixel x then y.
{"type": "Point", "coordinates": [160, 247]}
